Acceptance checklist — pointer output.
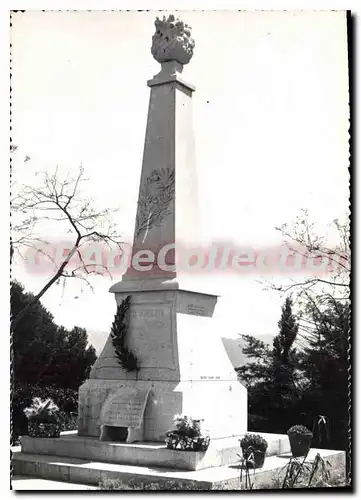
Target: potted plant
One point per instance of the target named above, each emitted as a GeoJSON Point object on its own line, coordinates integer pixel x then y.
{"type": "Point", "coordinates": [44, 419]}
{"type": "Point", "coordinates": [300, 440]}
{"type": "Point", "coordinates": [187, 435]}
{"type": "Point", "coordinates": [254, 449]}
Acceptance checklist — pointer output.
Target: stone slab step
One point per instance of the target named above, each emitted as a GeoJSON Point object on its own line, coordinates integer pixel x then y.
{"type": "Point", "coordinates": [72, 470]}
{"type": "Point", "coordinates": [221, 451]}
{"type": "Point", "coordinates": [26, 483]}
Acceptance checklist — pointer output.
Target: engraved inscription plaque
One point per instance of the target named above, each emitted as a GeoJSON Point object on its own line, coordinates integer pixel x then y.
{"type": "Point", "coordinates": [197, 310]}
{"type": "Point", "coordinates": [124, 409]}
{"type": "Point", "coordinates": [196, 304]}
{"type": "Point", "coordinates": [151, 329]}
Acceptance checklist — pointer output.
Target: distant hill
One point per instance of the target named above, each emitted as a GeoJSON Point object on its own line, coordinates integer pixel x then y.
{"type": "Point", "coordinates": [234, 348]}
{"type": "Point", "coordinates": [97, 339]}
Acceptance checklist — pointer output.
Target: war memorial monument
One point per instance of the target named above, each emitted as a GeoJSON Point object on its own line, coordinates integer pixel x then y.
{"type": "Point", "coordinates": [182, 367]}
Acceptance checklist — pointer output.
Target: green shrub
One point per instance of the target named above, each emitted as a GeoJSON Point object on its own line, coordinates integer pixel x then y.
{"type": "Point", "coordinates": [299, 429]}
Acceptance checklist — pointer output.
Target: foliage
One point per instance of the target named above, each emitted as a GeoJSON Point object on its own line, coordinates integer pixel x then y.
{"type": "Point", "coordinates": [325, 365]}
{"type": "Point", "coordinates": [22, 397]}
{"type": "Point", "coordinates": [300, 439]}
{"type": "Point", "coordinates": [187, 435]}
{"type": "Point", "coordinates": [324, 332]}
{"type": "Point", "coordinates": [299, 429]}
{"type": "Point", "coordinates": [43, 411]}
{"type": "Point", "coordinates": [254, 441]}
{"type": "Point", "coordinates": [44, 353]}
{"type": "Point", "coordinates": [253, 455]}
{"type": "Point", "coordinates": [299, 473]}
{"type": "Point", "coordinates": [246, 465]}
{"type": "Point", "coordinates": [118, 484]}
{"type": "Point", "coordinates": [125, 357]}
{"type": "Point", "coordinates": [272, 374]}
{"type": "Point", "coordinates": [320, 479]}
{"type": "Point", "coordinates": [305, 382]}
{"type": "Point", "coordinates": [186, 426]}
{"type": "Point", "coordinates": [257, 369]}
{"type": "Point", "coordinates": [48, 361]}
{"type": "Point", "coordinates": [301, 237]}
{"type": "Point", "coordinates": [284, 358]}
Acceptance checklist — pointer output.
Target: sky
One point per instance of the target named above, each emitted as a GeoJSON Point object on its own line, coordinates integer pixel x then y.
{"type": "Point", "coordinates": [270, 122]}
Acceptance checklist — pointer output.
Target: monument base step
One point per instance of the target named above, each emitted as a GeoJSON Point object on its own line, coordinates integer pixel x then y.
{"type": "Point", "coordinates": [82, 471]}
{"type": "Point", "coordinates": [26, 483]}
{"type": "Point", "coordinates": [220, 452]}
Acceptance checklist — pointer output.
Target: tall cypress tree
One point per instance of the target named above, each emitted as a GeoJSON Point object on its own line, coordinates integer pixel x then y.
{"type": "Point", "coordinates": [270, 376]}
{"type": "Point", "coordinates": [326, 365]}
{"type": "Point", "coordinates": [283, 353]}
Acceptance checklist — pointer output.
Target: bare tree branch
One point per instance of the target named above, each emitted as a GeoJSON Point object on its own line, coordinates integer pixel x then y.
{"type": "Point", "coordinates": [62, 197]}
{"type": "Point", "coordinates": [304, 241]}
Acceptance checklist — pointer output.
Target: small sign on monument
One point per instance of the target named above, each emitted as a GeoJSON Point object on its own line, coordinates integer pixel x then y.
{"type": "Point", "coordinates": [121, 417]}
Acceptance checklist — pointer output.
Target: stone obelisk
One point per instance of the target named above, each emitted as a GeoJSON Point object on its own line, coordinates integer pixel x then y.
{"type": "Point", "coordinates": [182, 361]}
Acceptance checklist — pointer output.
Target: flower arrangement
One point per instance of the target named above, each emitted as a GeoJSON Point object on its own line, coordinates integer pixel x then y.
{"type": "Point", "coordinates": [187, 435]}
{"type": "Point", "coordinates": [44, 418]}
{"type": "Point", "coordinates": [300, 440]}
{"type": "Point", "coordinates": [254, 449]}
{"type": "Point", "coordinates": [46, 411]}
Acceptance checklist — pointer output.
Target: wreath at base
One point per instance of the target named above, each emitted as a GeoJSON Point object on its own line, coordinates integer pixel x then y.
{"type": "Point", "coordinates": [125, 357]}
{"type": "Point", "coordinates": [174, 441]}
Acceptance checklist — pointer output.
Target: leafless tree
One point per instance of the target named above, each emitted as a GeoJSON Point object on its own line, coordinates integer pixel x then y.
{"type": "Point", "coordinates": [302, 239]}
{"type": "Point", "coordinates": [317, 292]}
{"type": "Point", "coordinates": [59, 200]}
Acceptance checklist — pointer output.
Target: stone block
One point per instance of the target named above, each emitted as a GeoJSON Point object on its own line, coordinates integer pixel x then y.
{"type": "Point", "coordinates": [222, 477]}
{"type": "Point", "coordinates": [220, 452]}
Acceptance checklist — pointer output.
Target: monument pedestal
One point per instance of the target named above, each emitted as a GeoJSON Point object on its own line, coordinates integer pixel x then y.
{"type": "Point", "coordinates": [222, 403]}
{"type": "Point", "coordinates": [182, 361]}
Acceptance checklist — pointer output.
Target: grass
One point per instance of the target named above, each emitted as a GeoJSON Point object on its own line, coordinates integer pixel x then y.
{"type": "Point", "coordinates": [297, 474]}
{"type": "Point", "coordinates": [117, 484]}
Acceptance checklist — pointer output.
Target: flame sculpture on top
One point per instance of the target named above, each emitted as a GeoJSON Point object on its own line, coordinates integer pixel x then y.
{"type": "Point", "coordinates": [172, 40]}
